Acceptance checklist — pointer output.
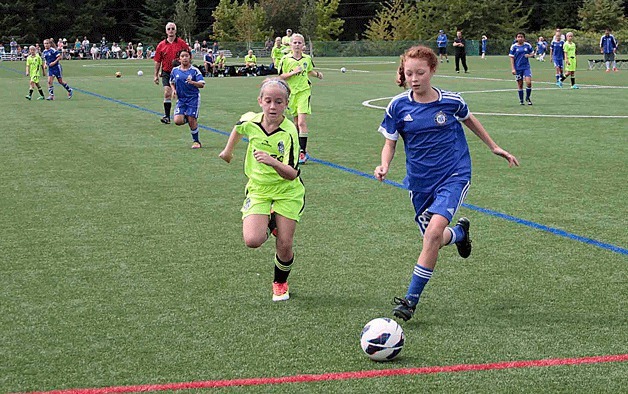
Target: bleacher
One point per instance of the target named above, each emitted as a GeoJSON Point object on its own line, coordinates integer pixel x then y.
{"type": "Point", "coordinates": [599, 64]}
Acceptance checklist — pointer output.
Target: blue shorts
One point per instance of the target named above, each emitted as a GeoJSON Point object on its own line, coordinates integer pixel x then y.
{"type": "Point", "coordinates": [54, 71]}
{"type": "Point", "coordinates": [187, 107]}
{"type": "Point", "coordinates": [525, 73]}
{"type": "Point", "coordinates": [558, 62]}
{"type": "Point", "coordinates": [444, 200]}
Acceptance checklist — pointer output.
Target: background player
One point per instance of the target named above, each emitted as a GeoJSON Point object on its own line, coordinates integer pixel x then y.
{"type": "Point", "coordinates": [541, 48]}
{"type": "Point", "coordinates": [166, 52]}
{"type": "Point", "coordinates": [34, 69]}
{"type": "Point", "coordinates": [441, 43]}
{"type": "Point", "coordinates": [520, 65]}
{"type": "Point", "coordinates": [186, 80]}
{"type": "Point", "coordinates": [428, 120]}
{"type": "Point", "coordinates": [275, 195]}
{"type": "Point", "coordinates": [53, 59]}
{"type": "Point", "coordinates": [557, 54]}
{"type": "Point", "coordinates": [570, 60]}
{"type": "Point", "coordinates": [608, 47]}
{"type": "Point", "coordinates": [296, 68]}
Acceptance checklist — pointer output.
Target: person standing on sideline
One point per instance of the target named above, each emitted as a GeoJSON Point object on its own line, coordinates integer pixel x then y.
{"type": "Point", "coordinates": [557, 54]}
{"type": "Point", "coordinates": [296, 68]}
{"type": "Point", "coordinates": [608, 47]}
{"type": "Point", "coordinates": [275, 195]}
{"type": "Point", "coordinates": [519, 54]}
{"type": "Point", "coordinates": [186, 80]}
{"type": "Point", "coordinates": [484, 45]}
{"type": "Point", "coordinates": [429, 120]}
{"type": "Point", "coordinates": [441, 43]}
{"type": "Point", "coordinates": [285, 42]}
{"type": "Point", "coordinates": [165, 54]}
{"type": "Point", "coordinates": [52, 58]}
{"type": "Point", "coordinates": [460, 51]}
{"type": "Point", "coordinates": [570, 59]}
{"type": "Point", "coordinates": [34, 69]}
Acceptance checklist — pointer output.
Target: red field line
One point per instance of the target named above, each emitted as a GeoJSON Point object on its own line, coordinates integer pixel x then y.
{"type": "Point", "coordinates": [344, 375]}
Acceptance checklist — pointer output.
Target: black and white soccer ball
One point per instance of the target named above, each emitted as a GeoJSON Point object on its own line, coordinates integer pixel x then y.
{"type": "Point", "coordinates": [382, 339]}
{"type": "Point", "coordinates": [343, 70]}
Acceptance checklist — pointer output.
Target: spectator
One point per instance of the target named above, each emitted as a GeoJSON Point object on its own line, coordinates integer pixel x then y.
{"type": "Point", "coordinates": [116, 50]}
{"type": "Point", "coordinates": [1, 49]}
{"type": "Point", "coordinates": [204, 46]}
{"type": "Point", "coordinates": [197, 47]}
{"type": "Point", "coordinates": [441, 43]}
{"type": "Point", "coordinates": [215, 47]}
{"type": "Point", "coordinates": [220, 63]}
{"type": "Point", "coordinates": [608, 47]}
{"type": "Point", "coordinates": [85, 45]}
{"type": "Point", "coordinates": [285, 41]}
{"type": "Point", "coordinates": [460, 52]}
{"type": "Point", "coordinates": [105, 53]}
{"type": "Point", "coordinates": [14, 49]}
{"type": "Point", "coordinates": [250, 63]}
{"type": "Point", "coordinates": [484, 46]}
{"type": "Point", "coordinates": [210, 68]}
{"type": "Point", "coordinates": [130, 50]}
{"type": "Point", "coordinates": [103, 41]}
{"type": "Point", "coordinates": [95, 52]}
{"type": "Point", "coordinates": [140, 51]}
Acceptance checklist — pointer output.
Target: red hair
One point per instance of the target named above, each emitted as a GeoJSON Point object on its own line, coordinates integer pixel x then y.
{"type": "Point", "coordinates": [416, 52]}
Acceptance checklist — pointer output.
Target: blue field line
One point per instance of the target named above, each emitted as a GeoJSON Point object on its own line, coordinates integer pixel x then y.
{"type": "Point", "coordinates": [536, 226]}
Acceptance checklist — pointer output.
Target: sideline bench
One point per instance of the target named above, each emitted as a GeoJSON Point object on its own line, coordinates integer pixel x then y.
{"type": "Point", "coordinates": [599, 64]}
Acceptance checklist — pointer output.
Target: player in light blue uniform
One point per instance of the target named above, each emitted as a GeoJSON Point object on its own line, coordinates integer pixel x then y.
{"type": "Point", "coordinates": [520, 65]}
{"type": "Point", "coordinates": [558, 57]}
{"type": "Point", "coordinates": [52, 58]}
{"type": "Point", "coordinates": [441, 43]}
{"type": "Point", "coordinates": [186, 80]}
{"type": "Point", "coordinates": [438, 163]}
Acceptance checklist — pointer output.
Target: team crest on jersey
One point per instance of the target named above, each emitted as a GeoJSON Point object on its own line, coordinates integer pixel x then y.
{"type": "Point", "coordinates": [247, 204]}
{"type": "Point", "coordinates": [440, 118]}
{"type": "Point", "coordinates": [281, 147]}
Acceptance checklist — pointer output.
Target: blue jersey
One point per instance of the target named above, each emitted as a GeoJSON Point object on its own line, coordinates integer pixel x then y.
{"type": "Point", "coordinates": [519, 52]}
{"type": "Point", "coordinates": [557, 49]}
{"type": "Point", "coordinates": [209, 58]}
{"type": "Point", "coordinates": [50, 55]}
{"type": "Point", "coordinates": [441, 40]}
{"type": "Point", "coordinates": [179, 77]}
{"type": "Point", "coordinates": [434, 141]}
{"type": "Point", "coordinates": [484, 40]}
{"type": "Point", "coordinates": [608, 43]}
{"type": "Point", "coordinates": [541, 46]}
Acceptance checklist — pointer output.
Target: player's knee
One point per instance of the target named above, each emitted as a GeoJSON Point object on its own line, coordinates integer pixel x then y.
{"type": "Point", "coordinates": [254, 241]}
{"type": "Point", "coordinates": [433, 235]}
{"type": "Point", "coordinates": [283, 244]}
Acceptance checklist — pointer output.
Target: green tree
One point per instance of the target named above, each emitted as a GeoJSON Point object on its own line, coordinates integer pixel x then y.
{"type": "Point", "coordinates": [185, 18]}
{"type": "Point", "coordinates": [251, 20]}
{"type": "Point", "coordinates": [91, 19]}
{"type": "Point", "coordinates": [328, 27]}
{"type": "Point", "coordinates": [17, 19]}
{"type": "Point", "coordinates": [225, 25]}
{"type": "Point", "coordinates": [597, 15]}
{"type": "Point", "coordinates": [309, 20]}
{"type": "Point", "coordinates": [153, 20]}
{"type": "Point", "coordinates": [280, 15]}
{"type": "Point", "coordinates": [378, 28]}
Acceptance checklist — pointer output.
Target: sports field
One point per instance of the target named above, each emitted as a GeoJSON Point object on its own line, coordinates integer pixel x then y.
{"type": "Point", "coordinates": [123, 267]}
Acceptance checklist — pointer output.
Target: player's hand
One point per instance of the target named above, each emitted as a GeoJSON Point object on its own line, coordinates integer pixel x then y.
{"type": "Point", "coordinates": [297, 70]}
{"type": "Point", "coordinates": [156, 80]}
{"type": "Point", "coordinates": [514, 72]}
{"type": "Point", "coordinates": [188, 79]}
{"type": "Point", "coordinates": [512, 160]}
{"type": "Point", "coordinates": [319, 75]}
{"type": "Point", "coordinates": [264, 158]}
{"type": "Point", "coordinates": [380, 173]}
{"type": "Point", "coordinates": [226, 156]}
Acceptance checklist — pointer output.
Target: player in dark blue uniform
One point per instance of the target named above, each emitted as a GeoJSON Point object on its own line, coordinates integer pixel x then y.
{"type": "Point", "coordinates": [52, 58]}
{"type": "Point", "coordinates": [186, 80]}
{"type": "Point", "coordinates": [438, 163]}
{"type": "Point", "coordinates": [520, 65]}
{"type": "Point", "coordinates": [558, 57]}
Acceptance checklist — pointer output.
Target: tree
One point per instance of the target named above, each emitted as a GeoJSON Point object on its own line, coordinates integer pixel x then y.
{"type": "Point", "coordinates": [225, 15]}
{"type": "Point", "coordinates": [377, 29]}
{"type": "Point", "coordinates": [280, 14]}
{"type": "Point", "coordinates": [251, 20]}
{"type": "Point", "coordinates": [91, 19]}
{"type": "Point", "coordinates": [153, 20]}
{"type": "Point", "coordinates": [309, 20]}
{"type": "Point", "coordinates": [17, 19]}
{"type": "Point", "coordinates": [185, 18]}
{"type": "Point", "coordinates": [597, 15]}
{"type": "Point", "coordinates": [328, 27]}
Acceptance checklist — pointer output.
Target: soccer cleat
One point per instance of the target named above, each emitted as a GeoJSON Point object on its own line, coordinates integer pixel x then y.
{"type": "Point", "coordinates": [404, 309]}
{"type": "Point", "coordinates": [522, 103]}
{"type": "Point", "coordinates": [41, 98]}
{"type": "Point", "coordinates": [559, 84]}
{"type": "Point", "coordinates": [529, 101]}
{"type": "Point", "coordinates": [615, 69]}
{"type": "Point", "coordinates": [165, 119]}
{"type": "Point", "coordinates": [272, 224]}
{"type": "Point", "coordinates": [51, 97]}
{"type": "Point", "coordinates": [608, 70]}
{"type": "Point", "coordinates": [28, 97]}
{"type": "Point", "coordinates": [196, 145]}
{"type": "Point", "coordinates": [575, 87]}
{"type": "Point", "coordinates": [280, 291]}
{"type": "Point", "coordinates": [464, 246]}
{"type": "Point", "coordinates": [70, 93]}
{"type": "Point", "coordinates": [303, 157]}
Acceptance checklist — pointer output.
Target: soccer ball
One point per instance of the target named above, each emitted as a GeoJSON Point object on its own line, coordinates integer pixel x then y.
{"type": "Point", "coordinates": [140, 73]}
{"type": "Point", "coordinates": [382, 339]}
{"type": "Point", "coordinates": [118, 74]}
{"type": "Point", "coordinates": [343, 70]}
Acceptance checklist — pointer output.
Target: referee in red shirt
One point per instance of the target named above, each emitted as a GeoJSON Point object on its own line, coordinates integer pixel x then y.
{"type": "Point", "coordinates": [165, 54]}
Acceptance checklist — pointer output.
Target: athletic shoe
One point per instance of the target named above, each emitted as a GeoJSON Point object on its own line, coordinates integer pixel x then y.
{"type": "Point", "coordinates": [40, 98]}
{"type": "Point", "coordinates": [457, 71]}
{"type": "Point", "coordinates": [608, 70]}
{"type": "Point", "coordinates": [464, 246]}
{"type": "Point", "coordinates": [50, 98]}
{"type": "Point", "coordinates": [70, 93]}
{"type": "Point", "coordinates": [447, 60]}
{"type": "Point", "coordinates": [28, 97]}
{"type": "Point", "coordinates": [280, 291]}
{"type": "Point", "coordinates": [165, 119]}
{"type": "Point", "coordinates": [196, 145]}
{"type": "Point", "coordinates": [615, 69]}
{"type": "Point", "coordinates": [529, 101]}
{"type": "Point", "coordinates": [559, 84]}
{"type": "Point", "coordinates": [272, 224]}
{"type": "Point", "coordinates": [404, 309]}
{"type": "Point", "coordinates": [521, 102]}
{"type": "Point", "coordinates": [303, 157]}
{"type": "Point", "coordinates": [575, 87]}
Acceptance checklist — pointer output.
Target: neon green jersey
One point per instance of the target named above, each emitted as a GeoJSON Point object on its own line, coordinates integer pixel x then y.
{"type": "Point", "coordinates": [34, 64]}
{"type": "Point", "coordinates": [250, 59]}
{"type": "Point", "coordinates": [299, 82]}
{"type": "Point", "coordinates": [570, 49]}
{"type": "Point", "coordinates": [282, 144]}
{"type": "Point", "coordinates": [276, 54]}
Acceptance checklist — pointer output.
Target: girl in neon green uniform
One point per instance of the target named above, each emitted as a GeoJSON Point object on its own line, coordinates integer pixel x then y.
{"type": "Point", "coordinates": [570, 59]}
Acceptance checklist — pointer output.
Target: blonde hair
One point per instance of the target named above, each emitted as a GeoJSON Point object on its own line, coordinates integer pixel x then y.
{"type": "Point", "coordinates": [297, 35]}
{"type": "Point", "coordinates": [274, 81]}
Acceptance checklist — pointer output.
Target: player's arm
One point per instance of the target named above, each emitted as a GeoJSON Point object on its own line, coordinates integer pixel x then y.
{"type": "Point", "coordinates": [284, 170]}
{"type": "Point", "coordinates": [156, 75]}
{"type": "Point", "coordinates": [227, 152]}
{"type": "Point", "coordinates": [474, 125]}
{"type": "Point", "coordinates": [388, 153]}
{"type": "Point", "coordinates": [316, 74]}
{"type": "Point", "coordinates": [512, 64]}
{"type": "Point", "coordinates": [56, 61]}
{"type": "Point", "coordinates": [26, 72]}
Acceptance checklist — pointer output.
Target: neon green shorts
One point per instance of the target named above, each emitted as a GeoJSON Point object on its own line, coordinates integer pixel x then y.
{"type": "Point", "coordinates": [287, 199]}
{"type": "Point", "coordinates": [299, 103]}
{"type": "Point", "coordinates": [571, 66]}
{"type": "Point", "coordinates": [35, 79]}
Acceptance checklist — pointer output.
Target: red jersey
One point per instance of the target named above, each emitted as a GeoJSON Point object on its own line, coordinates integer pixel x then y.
{"type": "Point", "coordinates": [166, 52]}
